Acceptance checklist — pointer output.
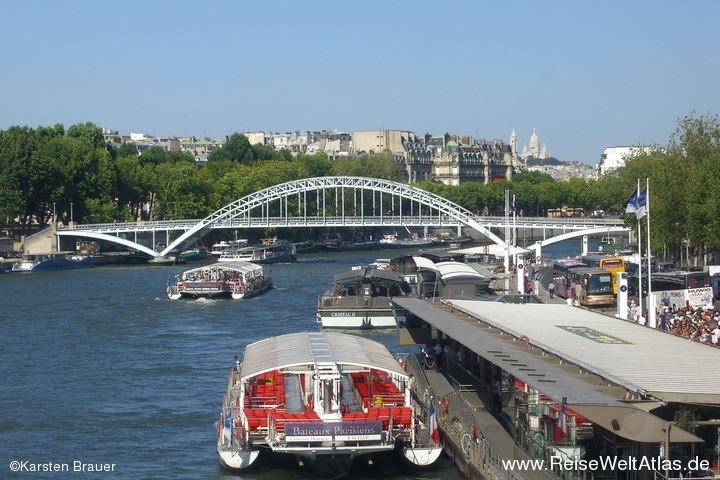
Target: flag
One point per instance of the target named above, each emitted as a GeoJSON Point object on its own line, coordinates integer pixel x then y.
{"type": "Point", "coordinates": [561, 427]}
{"type": "Point", "coordinates": [227, 428]}
{"type": "Point", "coordinates": [631, 204]}
{"type": "Point", "coordinates": [512, 205]}
{"type": "Point", "coordinates": [641, 204]}
{"type": "Point", "coordinates": [434, 430]}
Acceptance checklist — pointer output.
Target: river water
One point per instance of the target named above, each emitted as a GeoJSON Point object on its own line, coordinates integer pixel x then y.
{"type": "Point", "coordinates": [98, 366]}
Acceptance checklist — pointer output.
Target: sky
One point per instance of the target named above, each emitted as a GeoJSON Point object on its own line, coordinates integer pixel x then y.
{"type": "Point", "coordinates": [584, 75]}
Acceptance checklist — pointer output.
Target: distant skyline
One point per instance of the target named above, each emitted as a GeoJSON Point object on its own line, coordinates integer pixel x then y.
{"type": "Point", "coordinates": [584, 75]}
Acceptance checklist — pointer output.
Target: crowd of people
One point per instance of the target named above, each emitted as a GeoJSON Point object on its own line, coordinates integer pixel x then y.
{"type": "Point", "coordinates": [695, 324]}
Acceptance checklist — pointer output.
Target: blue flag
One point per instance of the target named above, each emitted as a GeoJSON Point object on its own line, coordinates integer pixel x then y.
{"type": "Point", "coordinates": [632, 203]}
{"type": "Point", "coordinates": [641, 204]}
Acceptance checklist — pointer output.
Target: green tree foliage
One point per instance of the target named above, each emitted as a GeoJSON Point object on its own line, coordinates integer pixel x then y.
{"type": "Point", "coordinates": [373, 166]}
{"type": "Point", "coordinates": [236, 149]}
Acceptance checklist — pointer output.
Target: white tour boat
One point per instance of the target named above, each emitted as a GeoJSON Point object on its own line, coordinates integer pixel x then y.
{"type": "Point", "coordinates": [279, 252]}
{"type": "Point", "coordinates": [235, 280]}
{"type": "Point", "coordinates": [325, 398]}
{"type": "Point", "coordinates": [360, 298]}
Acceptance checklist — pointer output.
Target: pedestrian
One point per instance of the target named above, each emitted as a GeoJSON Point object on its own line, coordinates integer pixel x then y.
{"type": "Point", "coordinates": [551, 288]}
{"type": "Point", "coordinates": [497, 395]}
{"type": "Point", "coordinates": [438, 355]}
{"type": "Point", "coordinates": [537, 287]}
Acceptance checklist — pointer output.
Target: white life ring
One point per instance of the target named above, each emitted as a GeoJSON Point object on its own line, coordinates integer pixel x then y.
{"type": "Point", "coordinates": [538, 259]}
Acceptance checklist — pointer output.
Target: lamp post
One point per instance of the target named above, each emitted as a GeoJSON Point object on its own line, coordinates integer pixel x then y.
{"type": "Point", "coordinates": [71, 213]}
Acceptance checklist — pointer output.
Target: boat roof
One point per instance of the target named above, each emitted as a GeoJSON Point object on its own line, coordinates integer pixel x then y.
{"type": "Point", "coordinates": [242, 267]}
{"type": "Point", "coordinates": [312, 348]}
{"type": "Point", "coordinates": [370, 273]}
{"type": "Point", "coordinates": [458, 270]}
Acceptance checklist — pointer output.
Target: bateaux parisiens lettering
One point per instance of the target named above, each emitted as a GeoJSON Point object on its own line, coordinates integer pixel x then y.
{"type": "Point", "coordinates": [326, 431]}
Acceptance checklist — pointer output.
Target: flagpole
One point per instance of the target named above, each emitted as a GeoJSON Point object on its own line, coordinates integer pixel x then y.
{"type": "Point", "coordinates": [514, 210]}
{"type": "Point", "coordinates": [507, 233]}
{"type": "Point", "coordinates": [652, 317]}
{"type": "Point", "coordinates": [640, 302]}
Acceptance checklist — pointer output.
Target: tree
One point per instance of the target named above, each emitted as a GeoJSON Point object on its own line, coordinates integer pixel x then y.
{"type": "Point", "coordinates": [236, 149]}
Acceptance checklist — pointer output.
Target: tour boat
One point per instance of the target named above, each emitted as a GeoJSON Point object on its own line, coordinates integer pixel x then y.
{"type": "Point", "coordinates": [236, 280]}
{"type": "Point", "coordinates": [360, 298]}
{"type": "Point", "coordinates": [324, 398]}
{"type": "Point", "coordinates": [33, 262]}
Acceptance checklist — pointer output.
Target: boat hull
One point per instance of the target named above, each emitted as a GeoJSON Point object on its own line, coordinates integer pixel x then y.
{"type": "Point", "coordinates": [54, 264]}
{"type": "Point", "coordinates": [356, 318]}
{"type": "Point", "coordinates": [237, 460]}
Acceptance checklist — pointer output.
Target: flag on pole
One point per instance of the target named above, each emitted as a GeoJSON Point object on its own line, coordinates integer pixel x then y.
{"type": "Point", "coordinates": [512, 204]}
{"type": "Point", "coordinates": [641, 204]}
{"type": "Point", "coordinates": [434, 430]}
{"type": "Point", "coordinates": [631, 204]}
{"type": "Point", "coordinates": [561, 427]}
{"type": "Point", "coordinates": [227, 428]}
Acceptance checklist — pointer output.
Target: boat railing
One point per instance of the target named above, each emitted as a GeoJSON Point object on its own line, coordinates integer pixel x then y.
{"type": "Point", "coordinates": [456, 419]}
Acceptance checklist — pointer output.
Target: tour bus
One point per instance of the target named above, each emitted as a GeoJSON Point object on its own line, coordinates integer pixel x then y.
{"type": "Point", "coordinates": [613, 265]}
{"type": "Point", "coordinates": [561, 274]}
{"type": "Point", "coordinates": [677, 290]}
{"type": "Point", "coordinates": [596, 286]}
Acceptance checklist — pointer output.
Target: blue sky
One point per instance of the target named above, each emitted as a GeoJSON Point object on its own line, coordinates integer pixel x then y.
{"type": "Point", "coordinates": [585, 75]}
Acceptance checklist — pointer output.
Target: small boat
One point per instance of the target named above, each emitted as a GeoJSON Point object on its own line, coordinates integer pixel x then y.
{"type": "Point", "coordinates": [193, 254]}
{"type": "Point", "coordinates": [278, 252]}
{"type": "Point", "coordinates": [360, 298]}
{"type": "Point", "coordinates": [33, 262]}
{"type": "Point", "coordinates": [393, 241]}
{"type": "Point", "coordinates": [236, 280]}
{"type": "Point", "coordinates": [218, 248]}
{"type": "Point", "coordinates": [324, 398]}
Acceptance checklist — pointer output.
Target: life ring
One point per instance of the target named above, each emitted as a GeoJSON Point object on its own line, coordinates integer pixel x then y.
{"type": "Point", "coordinates": [466, 441]}
{"type": "Point", "coordinates": [538, 259]}
{"type": "Point", "coordinates": [444, 404]}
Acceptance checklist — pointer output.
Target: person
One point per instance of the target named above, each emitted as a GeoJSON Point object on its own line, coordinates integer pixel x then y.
{"type": "Point", "coordinates": [497, 395]}
{"type": "Point", "coordinates": [537, 287]}
{"type": "Point", "coordinates": [633, 311]}
{"type": "Point", "coordinates": [551, 288]}
{"type": "Point", "coordinates": [425, 354]}
{"type": "Point", "coordinates": [578, 293]}
{"type": "Point", "coordinates": [569, 301]}
{"type": "Point", "coordinates": [438, 355]}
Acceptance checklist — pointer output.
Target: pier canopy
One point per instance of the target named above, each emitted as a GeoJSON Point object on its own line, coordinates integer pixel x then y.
{"type": "Point", "coordinates": [307, 348]}
{"type": "Point", "coordinates": [610, 371]}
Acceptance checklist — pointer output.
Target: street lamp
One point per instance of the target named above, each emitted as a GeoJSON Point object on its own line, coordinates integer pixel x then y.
{"type": "Point", "coordinates": [71, 213]}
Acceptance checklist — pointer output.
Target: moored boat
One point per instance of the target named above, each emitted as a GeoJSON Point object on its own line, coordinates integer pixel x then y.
{"type": "Point", "coordinates": [218, 248]}
{"type": "Point", "coordinates": [325, 398]}
{"type": "Point", "coordinates": [278, 252]}
{"type": "Point", "coordinates": [393, 241]}
{"type": "Point", "coordinates": [236, 280]}
{"type": "Point", "coordinates": [337, 245]}
{"type": "Point", "coordinates": [360, 298]}
{"type": "Point", "coordinates": [33, 262]}
{"type": "Point", "coordinates": [193, 254]}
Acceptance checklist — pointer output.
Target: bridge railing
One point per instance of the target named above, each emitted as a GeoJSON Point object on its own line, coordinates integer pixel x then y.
{"type": "Point", "coordinates": [349, 220]}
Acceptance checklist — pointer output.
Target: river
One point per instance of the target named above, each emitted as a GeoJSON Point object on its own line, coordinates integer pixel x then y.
{"type": "Point", "coordinates": [98, 367]}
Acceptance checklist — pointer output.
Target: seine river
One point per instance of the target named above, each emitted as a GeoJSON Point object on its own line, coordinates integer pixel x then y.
{"type": "Point", "coordinates": [98, 366]}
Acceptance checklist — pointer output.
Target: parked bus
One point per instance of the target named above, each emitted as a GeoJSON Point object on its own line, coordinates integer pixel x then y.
{"type": "Point", "coordinates": [613, 265]}
{"type": "Point", "coordinates": [596, 286]}
{"type": "Point", "coordinates": [677, 290]}
{"type": "Point", "coordinates": [561, 274]}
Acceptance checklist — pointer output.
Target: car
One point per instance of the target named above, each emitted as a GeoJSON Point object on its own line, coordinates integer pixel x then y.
{"type": "Point", "coordinates": [664, 267]}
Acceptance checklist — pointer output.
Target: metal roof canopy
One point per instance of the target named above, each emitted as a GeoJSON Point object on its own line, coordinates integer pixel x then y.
{"type": "Point", "coordinates": [310, 348]}
{"type": "Point", "coordinates": [227, 266]}
{"type": "Point", "coordinates": [583, 393]}
{"type": "Point", "coordinates": [639, 358]}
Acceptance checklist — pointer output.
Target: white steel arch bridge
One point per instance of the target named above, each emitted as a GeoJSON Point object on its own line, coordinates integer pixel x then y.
{"type": "Point", "coordinates": [329, 202]}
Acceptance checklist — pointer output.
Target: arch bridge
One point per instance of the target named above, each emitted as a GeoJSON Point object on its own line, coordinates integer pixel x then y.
{"type": "Point", "coordinates": [326, 202]}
